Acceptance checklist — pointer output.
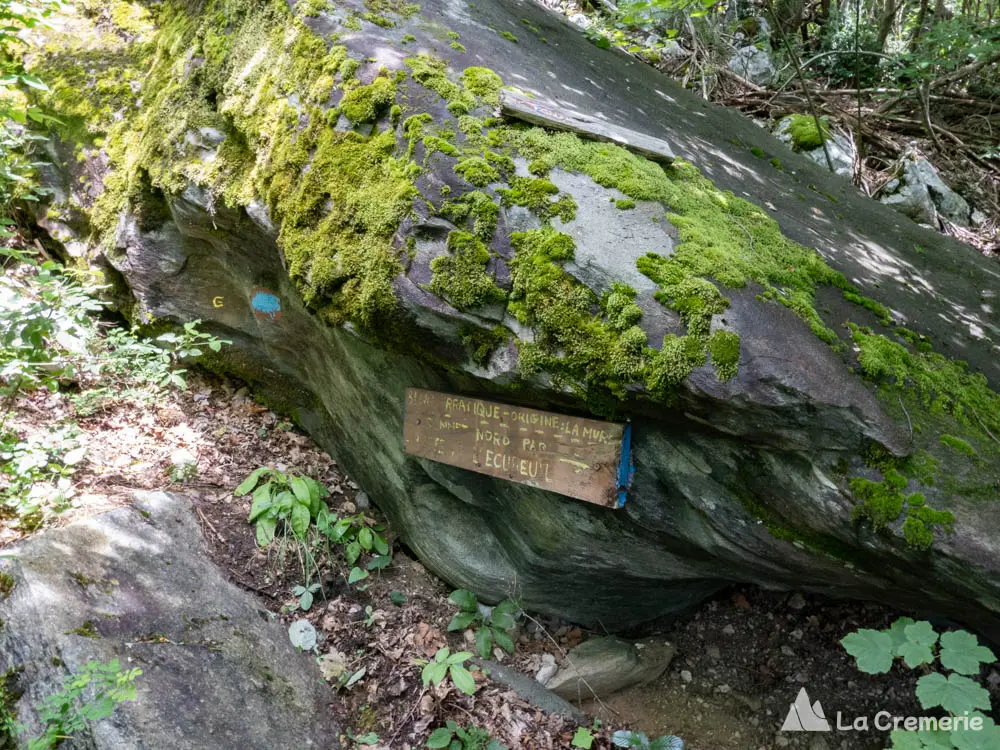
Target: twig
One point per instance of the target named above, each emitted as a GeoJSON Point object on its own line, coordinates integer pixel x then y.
{"type": "Point", "coordinates": [209, 523]}
{"type": "Point", "coordinates": [983, 425]}
{"type": "Point", "coordinates": [406, 718]}
{"type": "Point", "coordinates": [908, 422]}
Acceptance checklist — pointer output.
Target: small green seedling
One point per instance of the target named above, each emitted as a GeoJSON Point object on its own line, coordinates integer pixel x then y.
{"type": "Point", "coordinates": [494, 627]}
{"type": "Point", "coordinates": [445, 664]}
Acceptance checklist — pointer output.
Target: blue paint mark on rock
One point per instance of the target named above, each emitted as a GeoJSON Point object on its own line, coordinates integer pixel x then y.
{"type": "Point", "coordinates": [265, 304]}
{"type": "Point", "coordinates": [626, 470]}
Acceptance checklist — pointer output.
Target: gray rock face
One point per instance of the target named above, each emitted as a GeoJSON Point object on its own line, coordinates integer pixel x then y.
{"type": "Point", "coordinates": [754, 64]}
{"type": "Point", "coordinates": [746, 480]}
{"type": "Point", "coordinates": [607, 665]}
{"type": "Point", "coordinates": [217, 671]}
{"type": "Point", "coordinates": [921, 194]}
{"type": "Point", "coordinates": [840, 148]}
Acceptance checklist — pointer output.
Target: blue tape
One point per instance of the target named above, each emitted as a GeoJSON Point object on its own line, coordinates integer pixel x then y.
{"type": "Point", "coordinates": [626, 470]}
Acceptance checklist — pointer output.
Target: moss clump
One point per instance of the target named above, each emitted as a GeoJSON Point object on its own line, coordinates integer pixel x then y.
{"type": "Point", "coordinates": [724, 347]}
{"type": "Point", "coordinates": [87, 630]}
{"type": "Point", "coordinates": [477, 206]}
{"type": "Point", "coordinates": [457, 46]}
{"type": "Point", "coordinates": [432, 73]}
{"type": "Point", "coordinates": [482, 342]}
{"type": "Point", "coordinates": [721, 236]}
{"type": "Point", "coordinates": [596, 356]}
{"type": "Point", "coordinates": [624, 204]}
{"type": "Point", "coordinates": [619, 307]}
{"type": "Point", "coordinates": [677, 358]}
{"type": "Point", "coordinates": [536, 194]}
{"type": "Point", "coordinates": [408, 38]}
{"type": "Point", "coordinates": [365, 103]}
{"type": "Point", "coordinates": [957, 444]}
{"type": "Point", "coordinates": [312, 8]}
{"type": "Point", "coordinates": [758, 152]}
{"type": "Point", "coordinates": [883, 503]}
{"type": "Point", "coordinates": [477, 171]}
{"type": "Point", "coordinates": [939, 384]}
{"type": "Point", "coordinates": [6, 584]}
{"type": "Point", "coordinates": [484, 83]}
{"type": "Point", "coordinates": [461, 277]}
{"type": "Point", "coordinates": [805, 134]}
{"type": "Point", "coordinates": [508, 36]}
{"type": "Point", "coordinates": [471, 126]}
{"type": "Point", "coordinates": [434, 144]}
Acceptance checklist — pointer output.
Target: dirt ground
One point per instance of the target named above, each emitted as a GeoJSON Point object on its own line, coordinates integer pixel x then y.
{"type": "Point", "coordinates": [741, 658]}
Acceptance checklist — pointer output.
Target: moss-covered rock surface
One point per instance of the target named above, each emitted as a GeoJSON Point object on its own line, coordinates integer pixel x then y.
{"type": "Point", "coordinates": [813, 394]}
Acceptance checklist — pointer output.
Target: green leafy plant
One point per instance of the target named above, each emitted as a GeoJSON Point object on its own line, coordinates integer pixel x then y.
{"type": "Point", "coordinates": [35, 473]}
{"type": "Point", "coordinates": [584, 738]}
{"type": "Point", "coordinates": [306, 595]}
{"type": "Point", "coordinates": [628, 738]}
{"type": "Point", "coordinates": [358, 535]}
{"type": "Point", "coordinates": [454, 737]}
{"type": "Point", "coordinates": [91, 694]}
{"type": "Point", "coordinates": [491, 626]}
{"type": "Point", "coordinates": [446, 664]}
{"type": "Point", "coordinates": [282, 503]}
{"type": "Point", "coordinates": [918, 645]}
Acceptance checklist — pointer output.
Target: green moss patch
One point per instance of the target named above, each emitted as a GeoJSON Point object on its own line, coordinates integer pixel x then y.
{"type": "Point", "coordinates": [883, 502]}
{"type": "Point", "coordinates": [461, 276]}
{"type": "Point", "coordinates": [484, 83]}
{"type": "Point", "coordinates": [539, 195]}
{"type": "Point", "coordinates": [482, 342]}
{"type": "Point", "coordinates": [365, 103]}
{"type": "Point", "coordinates": [805, 134]}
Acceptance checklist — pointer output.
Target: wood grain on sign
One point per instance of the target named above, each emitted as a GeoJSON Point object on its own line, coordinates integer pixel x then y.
{"type": "Point", "coordinates": [550, 116]}
{"type": "Point", "coordinates": [569, 455]}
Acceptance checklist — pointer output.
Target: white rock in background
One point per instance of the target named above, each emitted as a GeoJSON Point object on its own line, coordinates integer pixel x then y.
{"type": "Point", "coordinates": [547, 670]}
{"type": "Point", "coordinates": [579, 19]}
{"type": "Point", "coordinates": [840, 147]}
{"type": "Point", "coordinates": [921, 194]}
{"type": "Point", "coordinates": [754, 64]}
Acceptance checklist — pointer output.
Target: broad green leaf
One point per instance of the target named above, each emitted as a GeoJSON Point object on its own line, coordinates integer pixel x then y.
{"type": "Point", "coordinates": [906, 741]}
{"type": "Point", "coordinates": [301, 491]}
{"type": "Point", "coordinates": [961, 652]}
{"type": "Point", "coordinates": [897, 631]}
{"type": "Point", "coordinates": [357, 574]}
{"type": "Point", "coordinates": [922, 633]}
{"type": "Point", "coordinates": [955, 693]}
{"type": "Point", "coordinates": [365, 539]}
{"type": "Point", "coordinates": [302, 635]}
{"type": "Point", "coordinates": [462, 620]}
{"type": "Point", "coordinates": [458, 657]}
{"type": "Point", "coordinates": [985, 738]}
{"type": "Point", "coordinates": [465, 599]}
{"type": "Point", "coordinates": [380, 545]}
{"type": "Point", "coordinates": [484, 642]}
{"type": "Point", "coordinates": [871, 648]}
{"type": "Point", "coordinates": [74, 456]}
{"type": "Point", "coordinates": [259, 505]}
{"type": "Point", "coordinates": [265, 530]}
{"type": "Point", "coordinates": [379, 562]}
{"type": "Point", "coordinates": [583, 738]}
{"type": "Point", "coordinates": [352, 552]}
{"type": "Point", "coordinates": [915, 654]}
{"type": "Point", "coordinates": [306, 600]}
{"type": "Point", "coordinates": [462, 679]}
{"type": "Point", "coordinates": [300, 520]}
{"type": "Point", "coordinates": [667, 742]}
{"type": "Point", "coordinates": [251, 481]}
{"type": "Point", "coordinates": [502, 620]}
{"type": "Point", "coordinates": [434, 672]}
{"type": "Point", "coordinates": [440, 737]}
{"type": "Point", "coordinates": [503, 640]}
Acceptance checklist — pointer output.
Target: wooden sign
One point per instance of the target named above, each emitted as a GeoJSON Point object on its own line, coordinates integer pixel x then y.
{"type": "Point", "coordinates": [539, 112]}
{"type": "Point", "coordinates": [582, 458]}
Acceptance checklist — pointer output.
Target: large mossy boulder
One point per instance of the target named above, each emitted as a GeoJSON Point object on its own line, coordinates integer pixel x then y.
{"type": "Point", "coordinates": [329, 187]}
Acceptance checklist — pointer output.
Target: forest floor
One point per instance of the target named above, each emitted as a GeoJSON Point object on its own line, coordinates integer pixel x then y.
{"type": "Point", "coordinates": [741, 658]}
